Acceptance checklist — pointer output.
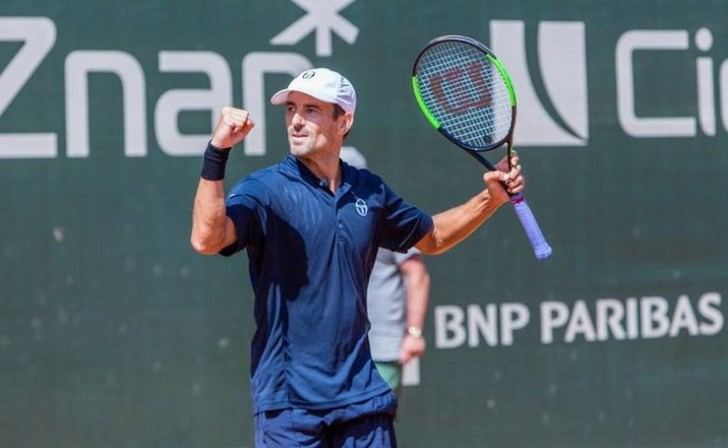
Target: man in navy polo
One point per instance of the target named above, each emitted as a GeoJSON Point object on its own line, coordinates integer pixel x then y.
{"type": "Point", "coordinates": [312, 226]}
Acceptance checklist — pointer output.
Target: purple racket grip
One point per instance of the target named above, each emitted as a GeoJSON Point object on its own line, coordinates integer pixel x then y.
{"type": "Point", "coordinates": [540, 247]}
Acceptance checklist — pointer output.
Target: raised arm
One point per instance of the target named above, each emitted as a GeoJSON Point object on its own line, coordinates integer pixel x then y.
{"type": "Point", "coordinates": [456, 224]}
{"type": "Point", "coordinates": [212, 230]}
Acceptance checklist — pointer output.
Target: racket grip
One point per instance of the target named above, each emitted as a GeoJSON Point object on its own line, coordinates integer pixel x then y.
{"type": "Point", "coordinates": [540, 247]}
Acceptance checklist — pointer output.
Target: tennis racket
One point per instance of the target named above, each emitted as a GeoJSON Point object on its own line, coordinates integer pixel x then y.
{"type": "Point", "coordinates": [466, 93]}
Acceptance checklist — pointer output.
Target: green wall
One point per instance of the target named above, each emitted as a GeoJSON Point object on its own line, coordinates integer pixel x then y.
{"type": "Point", "coordinates": [114, 333]}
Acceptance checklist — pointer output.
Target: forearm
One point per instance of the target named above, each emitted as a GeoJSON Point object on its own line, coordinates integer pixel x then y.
{"type": "Point", "coordinates": [209, 219]}
{"type": "Point", "coordinates": [454, 225]}
{"type": "Point", "coordinates": [212, 230]}
{"type": "Point", "coordinates": [417, 286]}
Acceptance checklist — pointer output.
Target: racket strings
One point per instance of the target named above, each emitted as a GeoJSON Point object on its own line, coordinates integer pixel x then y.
{"type": "Point", "coordinates": [465, 93]}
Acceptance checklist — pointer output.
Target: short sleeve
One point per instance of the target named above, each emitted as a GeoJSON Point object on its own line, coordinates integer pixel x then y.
{"type": "Point", "coordinates": [404, 224]}
{"type": "Point", "coordinates": [245, 207]}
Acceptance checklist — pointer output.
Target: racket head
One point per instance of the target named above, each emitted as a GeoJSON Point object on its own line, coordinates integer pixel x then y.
{"type": "Point", "coordinates": [465, 92]}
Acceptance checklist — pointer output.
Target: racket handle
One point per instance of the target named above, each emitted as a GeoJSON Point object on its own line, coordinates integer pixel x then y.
{"type": "Point", "coordinates": [540, 247]}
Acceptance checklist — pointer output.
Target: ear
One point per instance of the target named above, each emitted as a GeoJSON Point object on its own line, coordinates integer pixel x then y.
{"type": "Point", "coordinates": [346, 122]}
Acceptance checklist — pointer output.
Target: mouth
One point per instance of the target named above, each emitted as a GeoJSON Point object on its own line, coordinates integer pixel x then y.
{"type": "Point", "coordinates": [297, 137]}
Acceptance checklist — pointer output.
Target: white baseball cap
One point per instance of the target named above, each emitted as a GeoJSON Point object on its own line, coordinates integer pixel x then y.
{"type": "Point", "coordinates": [323, 84]}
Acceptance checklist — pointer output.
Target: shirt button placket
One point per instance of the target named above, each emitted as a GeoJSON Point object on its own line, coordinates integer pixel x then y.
{"type": "Point", "coordinates": [339, 226]}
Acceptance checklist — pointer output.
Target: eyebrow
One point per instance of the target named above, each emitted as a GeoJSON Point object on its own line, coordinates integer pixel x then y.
{"type": "Point", "coordinates": [315, 106]}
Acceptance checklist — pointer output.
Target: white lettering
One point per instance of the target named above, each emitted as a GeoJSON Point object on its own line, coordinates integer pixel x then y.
{"type": "Point", "coordinates": [79, 65]}
{"type": "Point", "coordinates": [172, 102]}
{"type": "Point", "coordinates": [553, 315]}
{"type": "Point", "coordinates": [633, 329]}
{"type": "Point", "coordinates": [610, 313]}
{"type": "Point", "coordinates": [479, 324]}
{"type": "Point", "coordinates": [708, 307]}
{"type": "Point", "coordinates": [514, 316]}
{"type": "Point", "coordinates": [704, 76]}
{"type": "Point", "coordinates": [580, 323]}
{"type": "Point", "coordinates": [653, 313]}
{"type": "Point", "coordinates": [683, 317]}
{"type": "Point", "coordinates": [449, 329]}
{"type": "Point", "coordinates": [38, 35]}
{"type": "Point", "coordinates": [724, 93]}
{"type": "Point", "coordinates": [633, 125]}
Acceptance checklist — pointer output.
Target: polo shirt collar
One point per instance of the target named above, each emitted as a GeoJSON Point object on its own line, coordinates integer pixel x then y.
{"type": "Point", "coordinates": [298, 169]}
{"type": "Point", "coordinates": [294, 167]}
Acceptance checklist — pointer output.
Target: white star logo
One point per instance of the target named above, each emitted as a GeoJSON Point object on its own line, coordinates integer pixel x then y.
{"type": "Point", "coordinates": [323, 17]}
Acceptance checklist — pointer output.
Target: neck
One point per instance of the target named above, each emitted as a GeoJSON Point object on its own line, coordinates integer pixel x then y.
{"type": "Point", "coordinates": [325, 167]}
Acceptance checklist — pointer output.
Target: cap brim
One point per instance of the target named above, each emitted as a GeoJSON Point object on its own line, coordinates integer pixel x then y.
{"type": "Point", "coordinates": [280, 97]}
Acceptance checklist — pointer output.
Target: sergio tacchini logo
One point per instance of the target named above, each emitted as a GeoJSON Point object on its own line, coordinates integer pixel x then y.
{"type": "Point", "coordinates": [361, 207]}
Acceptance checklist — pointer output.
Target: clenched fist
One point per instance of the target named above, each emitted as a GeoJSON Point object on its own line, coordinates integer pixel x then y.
{"type": "Point", "coordinates": [233, 126]}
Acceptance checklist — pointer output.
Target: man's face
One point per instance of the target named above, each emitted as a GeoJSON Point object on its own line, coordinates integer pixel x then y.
{"type": "Point", "coordinates": [311, 125]}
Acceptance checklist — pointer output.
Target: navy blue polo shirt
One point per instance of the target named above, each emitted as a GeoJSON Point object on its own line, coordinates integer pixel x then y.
{"type": "Point", "coordinates": [311, 252]}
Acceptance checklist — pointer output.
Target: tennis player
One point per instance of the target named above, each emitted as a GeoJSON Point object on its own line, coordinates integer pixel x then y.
{"type": "Point", "coordinates": [311, 225]}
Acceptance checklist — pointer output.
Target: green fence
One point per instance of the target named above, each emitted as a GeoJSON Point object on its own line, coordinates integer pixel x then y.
{"type": "Point", "coordinates": [114, 333]}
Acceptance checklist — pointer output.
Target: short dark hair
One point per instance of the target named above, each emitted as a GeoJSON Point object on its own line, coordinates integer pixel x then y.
{"type": "Point", "coordinates": [338, 111]}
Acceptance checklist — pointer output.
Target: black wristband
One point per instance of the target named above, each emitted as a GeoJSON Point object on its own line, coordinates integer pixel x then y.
{"type": "Point", "coordinates": [213, 162]}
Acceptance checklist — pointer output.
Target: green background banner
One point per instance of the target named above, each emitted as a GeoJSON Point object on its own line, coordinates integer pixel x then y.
{"type": "Point", "coordinates": [114, 333]}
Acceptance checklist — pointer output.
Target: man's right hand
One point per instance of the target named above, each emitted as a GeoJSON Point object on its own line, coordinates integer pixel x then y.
{"type": "Point", "coordinates": [231, 129]}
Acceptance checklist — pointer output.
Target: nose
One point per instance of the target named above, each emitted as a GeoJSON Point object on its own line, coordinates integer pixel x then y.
{"type": "Point", "coordinates": [296, 120]}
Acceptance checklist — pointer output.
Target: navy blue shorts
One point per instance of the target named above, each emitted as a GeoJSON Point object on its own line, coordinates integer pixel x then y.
{"type": "Point", "coordinates": [366, 424]}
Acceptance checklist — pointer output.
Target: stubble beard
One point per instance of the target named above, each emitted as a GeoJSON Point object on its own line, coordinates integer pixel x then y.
{"type": "Point", "coordinates": [299, 148]}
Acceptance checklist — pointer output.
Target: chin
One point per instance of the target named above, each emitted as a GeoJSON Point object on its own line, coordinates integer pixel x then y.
{"type": "Point", "coordinates": [301, 150]}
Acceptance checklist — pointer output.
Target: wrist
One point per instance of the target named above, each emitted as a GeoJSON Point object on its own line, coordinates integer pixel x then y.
{"type": "Point", "coordinates": [414, 331]}
{"type": "Point", "coordinates": [217, 145]}
{"type": "Point", "coordinates": [214, 161]}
